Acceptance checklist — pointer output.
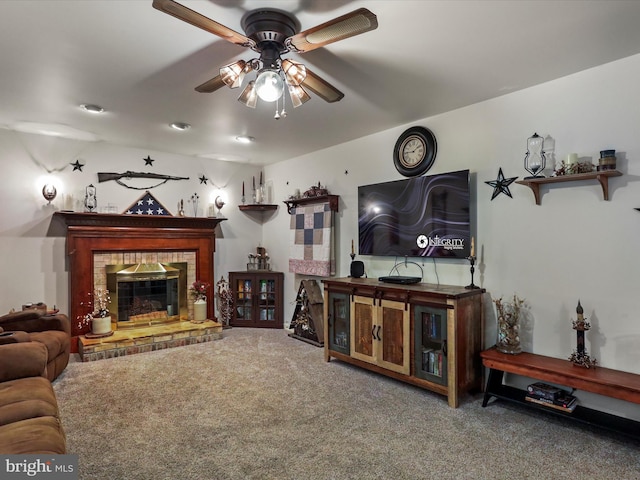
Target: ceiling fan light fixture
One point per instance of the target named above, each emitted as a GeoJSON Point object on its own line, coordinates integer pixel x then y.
{"type": "Point", "coordinates": [294, 72]}
{"type": "Point", "coordinates": [249, 95]}
{"type": "Point", "coordinates": [298, 95]}
{"type": "Point", "coordinates": [269, 85]}
{"type": "Point", "coordinates": [233, 74]}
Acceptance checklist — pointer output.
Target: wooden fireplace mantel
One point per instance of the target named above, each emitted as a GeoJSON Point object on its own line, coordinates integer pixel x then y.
{"type": "Point", "coordinates": [90, 233]}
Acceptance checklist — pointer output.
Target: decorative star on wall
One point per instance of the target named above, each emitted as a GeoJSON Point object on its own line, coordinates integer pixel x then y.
{"type": "Point", "coordinates": [203, 179]}
{"type": "Point", "coordinates": [501, 184]}
{"type": "Point", "coordinates": [148, 160]}
{"type": "Point", "coordinates": [77, 165]}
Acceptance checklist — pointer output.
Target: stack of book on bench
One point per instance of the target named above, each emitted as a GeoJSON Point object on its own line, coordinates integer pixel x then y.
{"type": "Point", "coordinates": [550, 396]}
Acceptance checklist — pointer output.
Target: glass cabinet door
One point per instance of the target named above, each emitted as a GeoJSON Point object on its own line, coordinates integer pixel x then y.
{"type": "Point", "coordinates": [338, 322]}
{"type": "Point", "coordinates": [267, 300]}
{"type": "Point", "coordinates": [430, 327]}
{"type": "Point", "coordinates": [244, 298]}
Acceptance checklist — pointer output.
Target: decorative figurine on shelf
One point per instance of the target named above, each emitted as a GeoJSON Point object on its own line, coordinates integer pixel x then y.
{"type": "Point", "coordinates": [195, 198]}
{"type": "Point", "coordinates": [225, 302]}
{"type": "Point", "coordinates": [535, 160]}
{"type": "Point", "coordinates": [580, 357]}
{"type": "Point", "coordinates": [181, 208]}
{"type": "Point", "coordinates": [90, 198]}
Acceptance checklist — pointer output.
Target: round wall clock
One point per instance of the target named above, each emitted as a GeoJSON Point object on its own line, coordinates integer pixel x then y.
{"type": "Point", "coordinates": [415, 151]}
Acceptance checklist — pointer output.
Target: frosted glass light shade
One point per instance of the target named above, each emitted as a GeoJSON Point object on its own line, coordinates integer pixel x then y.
{"type": "Point", "coordinates": [269, 85]}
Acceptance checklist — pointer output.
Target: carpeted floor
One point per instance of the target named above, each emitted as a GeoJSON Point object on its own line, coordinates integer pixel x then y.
{"type": "Point", "coordinates": [261, 405]}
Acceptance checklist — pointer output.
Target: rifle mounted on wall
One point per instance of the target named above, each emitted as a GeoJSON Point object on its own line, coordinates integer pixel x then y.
{"type": "Point", "coordinates": [117, 177]}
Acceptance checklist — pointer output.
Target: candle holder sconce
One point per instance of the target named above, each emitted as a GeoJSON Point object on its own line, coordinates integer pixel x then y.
{"type": "Point", "coordinates": [580, 357]}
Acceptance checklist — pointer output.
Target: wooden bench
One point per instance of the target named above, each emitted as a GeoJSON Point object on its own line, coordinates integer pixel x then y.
{"type": "Point", "coordinates": [602, 381]}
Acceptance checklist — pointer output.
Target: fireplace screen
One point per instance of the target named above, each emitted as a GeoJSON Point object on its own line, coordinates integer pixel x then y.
{"type": "Point", "coordinates": [147, 293]}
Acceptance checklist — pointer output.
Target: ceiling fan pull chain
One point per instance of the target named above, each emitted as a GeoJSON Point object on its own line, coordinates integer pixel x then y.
{"type": "Point", "coordinates": [277, 115]}
{"type": "Point", "coordinates": [283, 113]}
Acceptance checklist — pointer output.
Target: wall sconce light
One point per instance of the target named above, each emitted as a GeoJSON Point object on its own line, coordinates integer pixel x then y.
{"type": "Point", "coordinates": [49, 192]}
{"type": "Point", "coordinates": [219, 203]}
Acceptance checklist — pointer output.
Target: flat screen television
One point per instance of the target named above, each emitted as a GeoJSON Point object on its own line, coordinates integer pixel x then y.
{"type": "Point", "coordinates": [425, 216]}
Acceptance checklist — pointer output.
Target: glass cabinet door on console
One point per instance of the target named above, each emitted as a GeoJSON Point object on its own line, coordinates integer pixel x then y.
{"type": "Point", "coordinates": [257, 299]}
{"type": "Point", "coordinates": [380, 333]}
{"type": "Point", "coordinates": [338, 322]}
{"type": "Point", "coordinates": [243, 298]}
{"type": "Point", "coordinates": [430, 332]}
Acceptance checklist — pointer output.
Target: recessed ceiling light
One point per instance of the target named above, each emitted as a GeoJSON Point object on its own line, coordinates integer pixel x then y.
{"type": "Point", "coordinates": [91, 108]}
{"type": "Point", "coordinates": [180, 126]}
{"type": "Point", "coordinates": [244, 139]}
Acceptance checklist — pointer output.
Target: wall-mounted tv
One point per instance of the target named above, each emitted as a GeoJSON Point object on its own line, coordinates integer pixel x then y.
{"type": "Point", "coordinates": [424, 216]}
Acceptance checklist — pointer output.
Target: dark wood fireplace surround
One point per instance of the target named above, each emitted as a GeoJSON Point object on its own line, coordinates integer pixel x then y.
{"type": "Point", "coordinates": [90, 233]}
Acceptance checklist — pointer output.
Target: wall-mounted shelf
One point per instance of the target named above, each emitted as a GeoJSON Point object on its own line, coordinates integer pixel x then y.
{"type": "Point", "coordinates": [333, 200]}
{"type": "Point", "coordinates": [258, 207]}
{"type": "Point", "coordinates": [602, 177]}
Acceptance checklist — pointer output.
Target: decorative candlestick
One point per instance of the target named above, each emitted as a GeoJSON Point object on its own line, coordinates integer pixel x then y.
{"type": "Point", "coordinates": [580, 357]}
{"type": "Point", "coordinates": [472, 260]}
{"type": "Point", "coordinates": [243, 198]}
{"type": "Point", "coordinates": [254, 191]}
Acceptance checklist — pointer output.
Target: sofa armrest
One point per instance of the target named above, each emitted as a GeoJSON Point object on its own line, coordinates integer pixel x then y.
{"type": "Point", "coordinates": [35, 321]}
{"type": "Point", "coordinates": [20, 360]}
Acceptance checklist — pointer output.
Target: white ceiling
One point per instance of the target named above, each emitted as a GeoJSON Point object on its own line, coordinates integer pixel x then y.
{"type": "Point", "coordinates": [425, 58]}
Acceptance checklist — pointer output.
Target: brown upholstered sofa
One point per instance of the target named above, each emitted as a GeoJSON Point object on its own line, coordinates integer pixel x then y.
{"type": "Point", "coordinates": [54, 331]}
{"type": "Point", "coordinates": [29, 359]}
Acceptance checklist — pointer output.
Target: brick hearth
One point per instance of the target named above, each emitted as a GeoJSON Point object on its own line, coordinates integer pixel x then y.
{"type": "Point", "coordinates": [148, 339]}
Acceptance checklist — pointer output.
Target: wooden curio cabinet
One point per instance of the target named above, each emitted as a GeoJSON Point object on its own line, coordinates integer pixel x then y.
{"type": "Point", "coordinates": [423, 334]}
{"type": "Point", "coordinates": [257, 299]}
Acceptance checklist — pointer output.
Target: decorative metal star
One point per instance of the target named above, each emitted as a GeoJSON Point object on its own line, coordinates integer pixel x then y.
{"type": "Point", "coordinates": [346, 172]}
{"type": "Point", "coordinates": [148, 160]}
{"type": "Point", "coordinates": [501, 184]}
{"type": "Point", "coordinates": [203, 179]}
{"type": "Point", "coordinates": [77, 165]}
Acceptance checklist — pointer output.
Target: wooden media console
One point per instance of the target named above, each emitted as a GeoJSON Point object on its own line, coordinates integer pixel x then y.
{"type": "Point", "coordinates": [602, 381]}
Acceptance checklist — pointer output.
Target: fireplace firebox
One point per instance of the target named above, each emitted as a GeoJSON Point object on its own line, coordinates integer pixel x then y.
{"type": "Point", "coordinates": [147, 293]}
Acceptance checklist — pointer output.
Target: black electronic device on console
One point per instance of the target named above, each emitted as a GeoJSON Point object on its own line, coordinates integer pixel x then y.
{"type": "Point", "coordinates": [400, 279]}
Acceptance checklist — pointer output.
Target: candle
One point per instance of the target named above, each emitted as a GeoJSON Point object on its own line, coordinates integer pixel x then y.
{"type": "Point", "coordinates": [352, 250]}
{"type": "Point", "coordinates": [260, 178]}
{"type": "Point", "coordinates": [572, 158]}
{"type": "Point", "coordinates": [473, 247]}
{"type": "Point", "coordinates": [254, 182]}
{"type": "Point", "coordinates": [243, 188]}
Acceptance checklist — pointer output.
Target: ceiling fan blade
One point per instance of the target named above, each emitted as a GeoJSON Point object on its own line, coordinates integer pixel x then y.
{"type": "Point", "coordinates": [194, 18]}
{"type": "Point", "coordinates": [211, 85]}
{"type": "Point", "coordinates": [354, 23]}
{"type": "Point", "coordinates": [321, 87]}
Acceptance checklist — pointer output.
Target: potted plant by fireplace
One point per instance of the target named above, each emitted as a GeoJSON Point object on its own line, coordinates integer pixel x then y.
{"type": "Point", "coordinates": [98, 317]}
{"type": "Point", "coordinates": [198, 292]}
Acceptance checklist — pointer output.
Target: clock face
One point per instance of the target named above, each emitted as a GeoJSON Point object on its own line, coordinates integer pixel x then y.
{"type": "Point", "coordinates": [415, 151]}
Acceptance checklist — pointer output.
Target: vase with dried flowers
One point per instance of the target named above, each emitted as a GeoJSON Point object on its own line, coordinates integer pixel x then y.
{"type": "Point", "coordinates": [97, 312]}
{"type": "Point", "coordinates": [198, 291]}
{"type": "Point", "coordinates": [509, 325]}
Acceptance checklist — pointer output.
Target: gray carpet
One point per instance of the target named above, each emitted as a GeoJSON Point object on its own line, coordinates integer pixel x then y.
{"type": "Point", "coordinates": [261, 405]}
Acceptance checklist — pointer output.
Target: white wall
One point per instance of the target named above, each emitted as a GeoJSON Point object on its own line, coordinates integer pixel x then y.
{"type": "Point", "coordinates": [34, 259]}
{"type": "Point", "coordinates": [573, 246]}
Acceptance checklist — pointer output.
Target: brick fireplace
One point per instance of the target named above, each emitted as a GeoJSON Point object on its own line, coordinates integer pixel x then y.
{"type": "Point", "coordinates": [96, 240]}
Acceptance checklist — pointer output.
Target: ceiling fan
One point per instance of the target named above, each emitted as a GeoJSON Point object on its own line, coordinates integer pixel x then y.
{"type": "Point", "coordinates": [272, 33]}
